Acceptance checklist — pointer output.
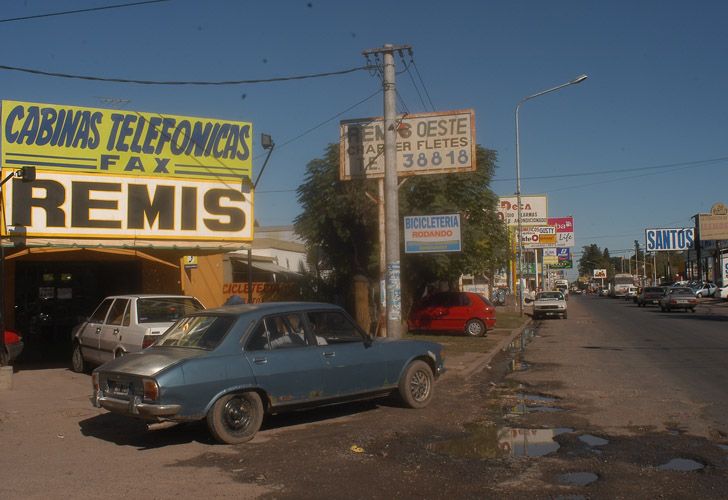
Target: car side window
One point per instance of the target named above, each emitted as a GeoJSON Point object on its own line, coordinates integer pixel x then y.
{"type": "Point", "coordinates": [282, 335]}
{"type": "Point", "coordinates": [333, 327]}
{"type": "Point", "coordinates": [127, 317]}
{"type": "Point", "coordinates": [258, 339]}
{"type": "Point", "coordinates": [100, 313]}
{"type": "Point", "coordinates": [116, 313]}
{"type": "Point", "coordinates": [463, 300]}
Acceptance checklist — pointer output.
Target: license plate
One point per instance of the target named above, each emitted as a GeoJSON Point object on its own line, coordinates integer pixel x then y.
{"type": "Point", "coordinates": [682, 301]}
{"type": "Point", "coordinates": [118, 388]}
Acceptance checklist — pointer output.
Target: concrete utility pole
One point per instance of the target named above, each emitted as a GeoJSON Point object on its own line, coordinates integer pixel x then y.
{"type": "Point", "coordinates": [391, 198]}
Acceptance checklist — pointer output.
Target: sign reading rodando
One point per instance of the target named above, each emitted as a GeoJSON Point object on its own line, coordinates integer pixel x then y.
{"type": "Point", "coordinates": [427, 143]}
{"type": "Point", "coordinates": [663, 240]}
{"type": "Point", "coordinates": [534, 210]}
{"type": "Point", "coordinates": [111, 175]}
{"type": "Point", "coordinates": [432, 233]}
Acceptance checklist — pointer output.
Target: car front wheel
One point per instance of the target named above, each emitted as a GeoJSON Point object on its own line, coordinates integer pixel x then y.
{"type": "Point", "coordinates": [235, 418]}
{"type": "Point", "coordinates": [416, 385]}
{"type": "Point", "coordinates": [78, 364]}
{"type": "Point", "coordinates": [475, 328]}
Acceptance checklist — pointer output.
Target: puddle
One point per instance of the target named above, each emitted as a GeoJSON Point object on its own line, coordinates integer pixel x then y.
{"type": "Point", "coordinates": [490, 441]}
{"type": "Point", "coordinates": [682, 465]}
{"type": "Point", "coordinates": [517, 365]}
{"type": "Point", "coordinates": [536, 397]}
{"type": "Point", "coordinates": [593, 440]}
{"type": "Point", "coordinates": [578, 478]}
{"type": "Point", "coordinates": [520, 342]}
{"type": "Point", "coordinates": [723, 447]}
{"type": "Point", "coordinates": [522, 409]}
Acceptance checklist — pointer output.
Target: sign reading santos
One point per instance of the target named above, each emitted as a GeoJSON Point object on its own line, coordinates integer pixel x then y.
{"type": "Point", "coordinates": [113, 175]}
{"type": "Point", "coordinates": [657, 240]}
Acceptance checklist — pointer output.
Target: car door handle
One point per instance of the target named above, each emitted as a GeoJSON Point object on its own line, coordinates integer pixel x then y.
{"type": "Point", "coordinates": [329, 354]}
{"type": "Point", "coordinates": [98, 329]}
{"type": "Point", "coordinates": [260, 361]}
{"type": "Point", "coordinates": [116, 331]}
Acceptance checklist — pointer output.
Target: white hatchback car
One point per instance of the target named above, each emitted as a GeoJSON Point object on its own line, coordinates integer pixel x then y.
{"type": "Point", "coordinates": [126, 323]}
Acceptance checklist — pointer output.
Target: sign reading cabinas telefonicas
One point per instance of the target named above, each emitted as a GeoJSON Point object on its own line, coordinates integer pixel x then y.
{"type": "Point", "coordinates": [111, 174]}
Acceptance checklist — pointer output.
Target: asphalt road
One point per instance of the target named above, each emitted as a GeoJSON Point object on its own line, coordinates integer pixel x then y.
{"type": "Point", "coordinates": [635, 366]}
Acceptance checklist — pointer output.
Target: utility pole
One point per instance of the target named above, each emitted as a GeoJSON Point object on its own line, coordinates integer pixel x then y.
{"type": "Point", "coordinates": [391, 198]}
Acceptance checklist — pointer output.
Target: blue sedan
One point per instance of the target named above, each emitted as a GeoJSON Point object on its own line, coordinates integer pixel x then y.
{"type": "Point", "coordinates": [232, 365]}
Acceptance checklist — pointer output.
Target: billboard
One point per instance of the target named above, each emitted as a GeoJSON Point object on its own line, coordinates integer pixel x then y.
{"type": "Point", "coordinates": [713, 227]}
{"type": "Point", "coordinates": [534, 210]}
{"type": "Point", "coordinates": [669, 239]}
{"type": "Point", "coordinates": [427, 143]}
{"type": "Point", "coordinates": [564, 230]}
{"type": "Point", "coordinates": [549, 256]}
{"type": "Point", "coordinates": [538, 237]}
{"type": "Point", "coordinates": [600, 273]}
{"type": "Point", "coordinates": [124, 175]}
{"type": "Point", "coordinates": [563, 256]}
{"type": "Point", "coordinates": [432, 233]}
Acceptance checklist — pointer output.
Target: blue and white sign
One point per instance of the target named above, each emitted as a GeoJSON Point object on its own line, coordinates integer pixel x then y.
{"type": "Point", "coordinates": [432, 233]}
{"type": "Point", "coordinates": [563, 254]}
{"type": "Point", "coordinates": [662, 240]}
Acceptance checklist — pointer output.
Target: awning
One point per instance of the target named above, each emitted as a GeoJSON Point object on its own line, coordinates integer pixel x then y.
{"type": "Point", "coordinates": [268, 267]}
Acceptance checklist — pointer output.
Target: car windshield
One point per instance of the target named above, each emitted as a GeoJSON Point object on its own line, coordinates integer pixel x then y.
{"type": "Point", "coordinates": [165, 309]}
{"type": "Point", "coordinates": [549, 295]}
{"type": "Point", "coordinates": [202, 332]}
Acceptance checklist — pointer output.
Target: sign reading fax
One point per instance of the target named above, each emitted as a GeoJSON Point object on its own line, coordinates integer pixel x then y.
{"type": "Point", "coordinates": [661, 240]}
{"type": "Point", "coordinates": [427, 143]}
{"type": "Point", "coordinates": [432, 233]}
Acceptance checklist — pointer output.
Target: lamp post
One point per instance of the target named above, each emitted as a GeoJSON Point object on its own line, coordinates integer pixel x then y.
{"type": "Point", "coordinates": [576, 80]}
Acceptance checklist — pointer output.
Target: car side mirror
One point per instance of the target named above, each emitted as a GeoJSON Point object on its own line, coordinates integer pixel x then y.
{"type": "Point", "coordinates": [527, 300]}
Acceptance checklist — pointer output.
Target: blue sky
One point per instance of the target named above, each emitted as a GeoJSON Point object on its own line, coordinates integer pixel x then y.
{"type": "Point", "coordinates": [656, 95]}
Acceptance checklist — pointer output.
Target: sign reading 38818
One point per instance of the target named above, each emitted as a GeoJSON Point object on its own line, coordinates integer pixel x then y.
{"type": "Point", "coordinates": [427, 143]}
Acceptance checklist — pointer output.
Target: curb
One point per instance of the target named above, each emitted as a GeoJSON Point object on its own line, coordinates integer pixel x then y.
{"type": "Point", "coordinates": [484, 360]}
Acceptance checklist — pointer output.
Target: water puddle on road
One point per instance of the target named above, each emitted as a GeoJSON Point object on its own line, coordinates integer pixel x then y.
{"type": "Point", "coordinates": [577, 478]}
{"type": "Point", "coordinates": [523, 409]}
{"type": "Point", "coordinates": [517, 365]}
{"type": "Point", "coordinates": [536, 397]}
{"type": "Point", "coordinates": [593, 440]}
{"type": "Point", "coordinates": [723, 447]}
{"type": "Point", "coordinates": [486, 440]}
{"type": "Point", "coordinates": [682, 465]}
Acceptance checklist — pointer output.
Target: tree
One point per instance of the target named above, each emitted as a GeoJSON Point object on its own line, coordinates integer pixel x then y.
{"type": "Point", "coordinates": [339, 224]}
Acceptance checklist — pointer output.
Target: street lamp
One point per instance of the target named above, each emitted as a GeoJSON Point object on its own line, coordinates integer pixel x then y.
{"type": "Point", "coordinates": [576, 80]}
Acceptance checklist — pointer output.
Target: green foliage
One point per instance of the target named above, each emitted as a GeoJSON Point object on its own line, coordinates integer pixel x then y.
{"type": "Point", "coordinates": [340, 226]}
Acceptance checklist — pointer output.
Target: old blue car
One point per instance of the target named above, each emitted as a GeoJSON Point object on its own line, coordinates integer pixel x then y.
{"type": "Point", "coordinates": [234, 364]}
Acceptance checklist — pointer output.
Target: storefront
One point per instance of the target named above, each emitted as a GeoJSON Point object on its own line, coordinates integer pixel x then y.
{"type": "Point", "coordinates": [115, 202]}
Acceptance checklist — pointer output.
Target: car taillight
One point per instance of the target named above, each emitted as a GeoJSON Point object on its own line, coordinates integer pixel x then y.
{"type": "Point", "coordinates": [151, 389]}
{"type": "Point", "coordinates": [149, 340]}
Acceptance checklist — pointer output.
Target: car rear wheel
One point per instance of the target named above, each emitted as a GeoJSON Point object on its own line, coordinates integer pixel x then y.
{"type": "Point", "coordinates": [78, 364]}
{"type": "Point", "coordinates": [416, 385]}
{"type": "Point", "coordinates": [235, 418]}
{"type": "Point", "coordinates": [475, 328]}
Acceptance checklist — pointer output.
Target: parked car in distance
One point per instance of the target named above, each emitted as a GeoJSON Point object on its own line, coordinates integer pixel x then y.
{"type": "Point", "coordinates": [461, 312]}
{"type": "Point", "coordinates": [230, 366]}
{"type": "Point", "coordinates": [632, 292]}
{"type": "Point", "coordinates": [705, 290]}
{"type": "Point", "coordinates": [650, 295]}
{"type": "Point", "coordinates": [678, 298]}
{"type": "Point", "coordinates": [13, 347]}
{"type": "Point", "coordinates": [126, 323]}
{"type": "Point", "coordinates": [549, 304]}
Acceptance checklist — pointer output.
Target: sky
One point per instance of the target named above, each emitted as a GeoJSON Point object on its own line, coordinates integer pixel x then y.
{"type": "Point", "coordinates": [642, 143]}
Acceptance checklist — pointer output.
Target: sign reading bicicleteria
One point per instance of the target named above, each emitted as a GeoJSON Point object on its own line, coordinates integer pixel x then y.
{"type": "Point", "coordinates": [534, 210]}
{"type": "Point", "coordinates": [427, 143]}
{"type": "Point", "coordinates": [432, 233]}
{"type": "Point", "coordinates": [123, 175]}
{"type": "Point", "coordinates": [669, 239]}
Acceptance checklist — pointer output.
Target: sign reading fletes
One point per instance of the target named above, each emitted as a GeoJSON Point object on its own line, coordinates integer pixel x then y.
{"type": "Point", "coordinates": [427, 143]}
{"type": "Point", "coordinates": [670, 239]}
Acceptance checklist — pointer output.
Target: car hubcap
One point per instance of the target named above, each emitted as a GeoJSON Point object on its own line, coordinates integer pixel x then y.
{"type": "Point", "coordinates": [420, 386]}
{"type": "Point", "coordinates": [474, 329]}
{"type": "Point", "coordinates": [237, 414]}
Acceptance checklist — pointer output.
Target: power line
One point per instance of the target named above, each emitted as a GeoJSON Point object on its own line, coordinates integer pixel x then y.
{"type": "Point", "coordinates": [78, 11]}
{"type": "Point", "coordinates": [182, 82]}
{"type": "Point", "coordinates": [424, 87]}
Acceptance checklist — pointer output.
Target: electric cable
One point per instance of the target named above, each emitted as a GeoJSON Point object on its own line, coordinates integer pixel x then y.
{"type": "Point", "coordinates": [182, 82]}
{"type": "Point", "coordinates": [424, 87]}
{"type": "Point", "coordinates": [79, 11]}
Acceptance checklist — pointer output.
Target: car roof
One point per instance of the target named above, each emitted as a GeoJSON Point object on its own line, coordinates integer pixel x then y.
{"type": "Point", "coordinates": [268, 308]}
{"type": "Point", "coordinates": [149, 296]}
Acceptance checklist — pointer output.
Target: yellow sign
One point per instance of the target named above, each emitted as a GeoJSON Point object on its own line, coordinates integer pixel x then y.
{"type": "Point", "coordinates": [124, 143]}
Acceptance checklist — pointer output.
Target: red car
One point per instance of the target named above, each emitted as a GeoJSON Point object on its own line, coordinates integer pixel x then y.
{"type": "Point", "coordinates": [13, 347]}
{"type": "Point", "coordinates": [466, 312]}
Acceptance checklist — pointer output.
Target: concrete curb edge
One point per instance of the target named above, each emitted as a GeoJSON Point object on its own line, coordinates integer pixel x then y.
{"type": "Point", "coordinates": [486, 358]}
